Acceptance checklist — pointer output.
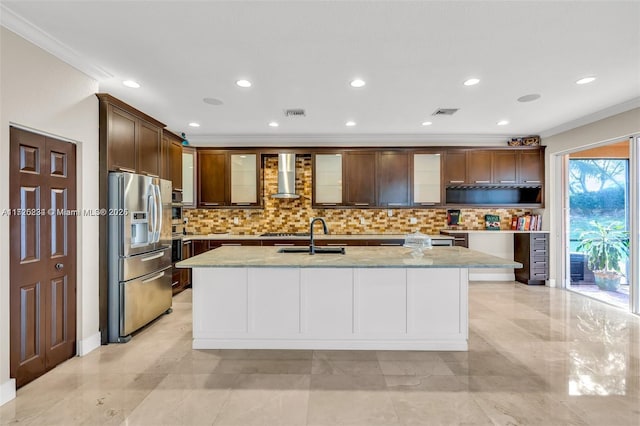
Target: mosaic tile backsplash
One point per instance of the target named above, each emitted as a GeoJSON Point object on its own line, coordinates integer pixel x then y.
{"type": "Point", "coordinates": [293, 215]}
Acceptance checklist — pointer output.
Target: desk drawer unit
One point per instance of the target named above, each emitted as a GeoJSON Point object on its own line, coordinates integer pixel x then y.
{"type": "Point", "coordinates": [532, 250]}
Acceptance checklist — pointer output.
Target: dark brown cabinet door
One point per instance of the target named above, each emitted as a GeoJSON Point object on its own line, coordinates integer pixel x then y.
{"type": "Point", "coordinates": [212, 185]}
{"type": "Point", "coordinates": [176, 165]}
{"type": "Point", "coordinates": [42, 254]}
{"type": "Point", "coordinates": [531, 166]}
{"type": "Point", "coordinates": [393, 172]}
{"type": "Point", "coordinates": [149, 149]}
{"type": "Point", "coordinates": [479, 165]}
{"type": "Point", "coordinates": [360, 176]}
{"type": "Point", "coordinates": [455, 167]}
{"type": "Point", "coordinates": [165, 157]}
{"type": "Point", "coordinates": [122, 140]}
{"type": "Point", "coordinates": [504, 167]}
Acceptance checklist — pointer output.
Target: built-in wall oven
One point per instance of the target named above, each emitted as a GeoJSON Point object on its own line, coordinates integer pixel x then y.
{"type": "Point", "coordinates": [177, 226]}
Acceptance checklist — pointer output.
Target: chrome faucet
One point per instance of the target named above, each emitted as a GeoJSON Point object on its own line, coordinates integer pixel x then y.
{"type": "Point", "coordinates": [312, 247]}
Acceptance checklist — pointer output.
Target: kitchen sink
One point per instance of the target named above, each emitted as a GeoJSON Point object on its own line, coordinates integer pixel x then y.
{"type": "Point", "coordinates": [318, 250]}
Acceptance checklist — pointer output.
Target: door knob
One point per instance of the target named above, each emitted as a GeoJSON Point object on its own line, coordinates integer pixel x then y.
{"type": "Point", "coordinates": [59, 266]}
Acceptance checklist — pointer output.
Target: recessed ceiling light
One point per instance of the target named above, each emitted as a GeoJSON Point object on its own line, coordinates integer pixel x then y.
{"type": "Point", "coordinates": [427, 123]}
{"type": "Point", "coordinates": [212, 101]}
{"type": "Point", "coordinates": [503, 122]}
{"type": "Point", "coordinates": [350, 123]}
{"type": "Point", "coordinates": [131, 83]}
{"type": "Point", "coordinates": [585, 80]}
{"type": "Point", "coordinates": [529, 98]}
{"type": "Point", "coordinates": [273, 124]}
{"type": "Point", "coordinates": [243, 83]}
{"type": "Point", "coordinates": [194, 124]}
{"type": "Point", "coordinates": [472, 82]}
{"type": "Point", "coordinates": [357, 83]}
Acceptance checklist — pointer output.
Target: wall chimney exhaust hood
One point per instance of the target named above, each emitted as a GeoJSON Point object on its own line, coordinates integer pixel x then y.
{"type": "Point", "coordinates": [286, 176]}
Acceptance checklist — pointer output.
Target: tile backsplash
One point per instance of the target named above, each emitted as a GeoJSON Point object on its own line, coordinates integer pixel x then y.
{"type": "Point", "coordinates": [293, 215]}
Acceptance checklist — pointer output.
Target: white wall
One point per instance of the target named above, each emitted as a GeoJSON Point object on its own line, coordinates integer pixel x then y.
{"type": "Point", "coordinates": [41, 92]}
{"type": "Point", "coordinates": [615, 128]}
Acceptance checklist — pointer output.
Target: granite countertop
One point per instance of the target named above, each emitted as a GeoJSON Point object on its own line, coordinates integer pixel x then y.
{"type": "Point", "coordinates": [355, 257]}
{"type": "Point", "coordinates": [318, 236]}
{"type": "Point", "coordinates": [485, 231]}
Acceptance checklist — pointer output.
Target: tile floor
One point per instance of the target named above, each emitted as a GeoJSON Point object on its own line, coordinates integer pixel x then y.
{"type": "Point", "coordinates": [538, 356]}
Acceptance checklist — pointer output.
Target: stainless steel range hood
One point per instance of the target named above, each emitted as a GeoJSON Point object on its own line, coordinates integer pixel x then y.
{"type": "Point", "coordinates": [286, 176]}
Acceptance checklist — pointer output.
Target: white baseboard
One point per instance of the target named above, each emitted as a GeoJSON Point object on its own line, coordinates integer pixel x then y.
{"type": "Point", "coordinates": [492, 277]}
{"type": "Point", "coordinates": [7, 391]}
{"type": "Point", "coordinates": [551, 282]}
{"type": "Point", "coordinates": [89, 344]}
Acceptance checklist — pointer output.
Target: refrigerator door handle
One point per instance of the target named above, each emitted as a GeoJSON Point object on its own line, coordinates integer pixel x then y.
{"type": "Point", "coordinates": [158, 212]}
{"type": "Point", "coordinates": [151, 211]}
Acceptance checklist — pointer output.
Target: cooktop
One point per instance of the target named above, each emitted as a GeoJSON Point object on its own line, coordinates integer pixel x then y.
{"type": "Point", "coordinates": [285, 234]}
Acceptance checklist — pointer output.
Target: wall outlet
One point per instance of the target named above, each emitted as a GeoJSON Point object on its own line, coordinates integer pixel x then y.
{"type": "Point", "coordinates": [362, 221]}
{"type": "Point", "coordinates": [413, 220]}
{"type": "Point", "coordinates": [390, 213]}
{"type": "Point", "coordinates": [236, 221]}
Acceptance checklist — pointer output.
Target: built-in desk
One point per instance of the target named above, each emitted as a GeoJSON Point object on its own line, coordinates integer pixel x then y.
{"type": "Point", "coordinates": [527, 247]}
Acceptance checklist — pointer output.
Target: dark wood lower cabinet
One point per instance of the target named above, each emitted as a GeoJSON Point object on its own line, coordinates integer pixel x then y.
{"type": "Point", "coordinates": [460, 239]}
{"type": "Point", "coordinates": [532, 250]}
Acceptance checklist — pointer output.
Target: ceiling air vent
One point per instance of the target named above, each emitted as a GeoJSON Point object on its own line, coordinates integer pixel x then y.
{"type": "Point", "coordinates": [445, 111]}
{"type": "Point", "coordinates": [294, 112]}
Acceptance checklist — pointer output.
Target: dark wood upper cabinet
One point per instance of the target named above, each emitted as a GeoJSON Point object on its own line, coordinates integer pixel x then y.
{"type": "Point", "coordinates": [531, 166]}
{"type": "Point", "coordinates": [149, 149]}
{"type": "Point", "coordinates": [121, 139]}
{"type": "Point", "coordinates": [212, 179]}
{"type": "Point", "coordinates": [505, 166]}
{"type": "Point", "coordinates": [360, 178]}
{"type": "Point", "coordinates": [130, 140]}
{"type": "Point", "coordinates": [455, 167]}
{"type": "Point", "coordinates": [393, 179]}
{"type": "Point", "coordinates": [479, 166]}
{"type": "Point", "coordinates": [176, 165]}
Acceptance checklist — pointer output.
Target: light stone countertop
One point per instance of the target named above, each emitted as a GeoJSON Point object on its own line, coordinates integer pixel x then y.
{"type": "Point", "coordinates": [355, 257]}
{"type": "Point", "coordinates": [316, 236]}
{"type": "Point", "coordinates": [486, 231]}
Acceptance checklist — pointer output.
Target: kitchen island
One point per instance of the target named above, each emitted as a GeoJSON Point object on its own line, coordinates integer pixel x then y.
{"type": "Point", "coordinates": [369, 298]}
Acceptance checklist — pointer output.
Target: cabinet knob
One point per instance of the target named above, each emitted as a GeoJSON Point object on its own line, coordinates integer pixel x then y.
{"type": "Point", "coordinates": [59, 266]}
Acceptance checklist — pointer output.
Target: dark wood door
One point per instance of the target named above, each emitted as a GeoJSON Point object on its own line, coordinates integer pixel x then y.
{"type": "Point", "coordinates": [531, 166]}
{"type": "Point", "coordinates": [455, 167]}
{"type": "Point", "coordinates": [122, 140]}
{"type": "Point", "coordinates": [149, 149]}
{"type": "Point", "coordinates": [504, 167]}
{"type": "Point", "coordinates": [479, 165]}
{"type": "Point", "coordinates": [360, 176]}
{"type": "Point", "coordinates": [42, 255]}
{"type": "Point", "coordinates": [393, 172]}
{"type": "Point", "coordinates": [176, 165]}
{"type": "Point", "coordinates": [212, 185]}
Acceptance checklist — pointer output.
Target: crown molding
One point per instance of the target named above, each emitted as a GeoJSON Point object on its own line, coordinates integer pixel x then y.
{"type": "Point", "coordinates": [30, 32]}
{"type": "Point", "coordinates": [593, 117]}
{"type": "Point", "coordinates": [328, 140]}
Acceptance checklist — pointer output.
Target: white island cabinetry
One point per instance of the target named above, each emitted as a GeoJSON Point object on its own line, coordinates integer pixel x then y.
{"type": "Point", "coordinates": [257, 298]}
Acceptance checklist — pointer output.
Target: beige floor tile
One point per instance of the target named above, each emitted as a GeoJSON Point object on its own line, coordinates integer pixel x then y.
{"type": "Point", "coordinates": [266, 399]}
{"type": "Point", "coordinates": [418, 408]}
{"type": "Point", "coordinates": [263, 366]}
{"type": "Point", "coordinates": [180, 399]}
{"type": "Point", "coordinates": [345, 367]}
{"type": "Point", "coordinates": [346, 355]}
{"type": "Point", "coordinates": [350, 400]}
{"type": "Point", "coordinates": [533, 408]}
{"type": "Point", "coordinates": [415, 368]}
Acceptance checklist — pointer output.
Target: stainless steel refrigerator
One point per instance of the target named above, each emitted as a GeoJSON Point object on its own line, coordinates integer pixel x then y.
{"type": "Point", "coordinates": [139, 244]}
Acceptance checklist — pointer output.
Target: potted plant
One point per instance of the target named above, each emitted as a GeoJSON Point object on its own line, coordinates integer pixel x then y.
{"type": "Point", "coordinates": [606, 247]}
